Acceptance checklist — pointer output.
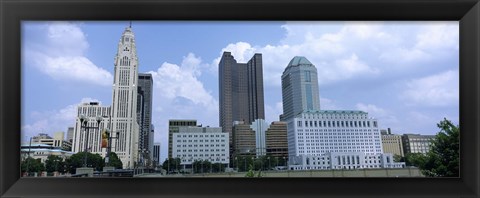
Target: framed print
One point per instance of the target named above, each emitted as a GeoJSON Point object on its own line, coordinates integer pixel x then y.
{"type": "Point", "coordinates": [58, 55]}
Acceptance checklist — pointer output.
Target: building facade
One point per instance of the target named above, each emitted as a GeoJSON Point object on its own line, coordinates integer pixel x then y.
{"type": "Point", "coordinates": [90, 139]}
{"type": "Point", "coordinates": [326, 139]}
{"type": "Point", "coordinates": [57, 141]}
{"type": "Point", "coordinates": [299, 88]}
{"type": "Point", "coordinates": [240, 91]}
{"type": "Point", "coordinates": [416, 143]}
{"type": "Point", "coordinates": [260, 138]}
{"type": "Point", "coordinates": [192, 144]}
{"type": "Point", "coordinates": [70, 134]}
{"type": "Point", "coordinates": [276, 139]}
{"type": "Point", "coordinates": [156, 154]}
{"type": "Point", "coordinates": [174, 127]}
{"type": "Point", "coordinates": [124, 100]}
{"type": "Point", "coordinates": [392, 143]}
{"type": "Point", "coordinates": [144, 115]}
{"type": "Point", "coordinates": [336, 140]}
{"type": "Point", "coordinates": [42, 151]}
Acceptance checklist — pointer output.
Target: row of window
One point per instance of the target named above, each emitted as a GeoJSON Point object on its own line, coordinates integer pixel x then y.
{"type": "Point", "coordinates": [344, 138]}
{"type": "Point", "coordinates": [334, 116]}
{"type": "Point", "coordinates": [200, 155]}
{"type": "Point", "coordinates": [337, 124]}
{"type": "Point", "coordinates": [202, 140]}
{"type": "Point", "coordinates": [201, 145]}
{"type": "Point", "coordinates": [201, 150]}
{"type": "Point", "coordinates": [201, 136]}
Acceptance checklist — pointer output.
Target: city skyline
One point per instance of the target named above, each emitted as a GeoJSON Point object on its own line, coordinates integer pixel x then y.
{"type": "Point", "coordinates": [71, 62]}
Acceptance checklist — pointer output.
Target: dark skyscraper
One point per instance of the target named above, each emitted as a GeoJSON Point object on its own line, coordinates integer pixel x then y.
{"type": "Point", "coordinates": [241, 91]}
{"type": "Point", "coordinates": [144, 114]}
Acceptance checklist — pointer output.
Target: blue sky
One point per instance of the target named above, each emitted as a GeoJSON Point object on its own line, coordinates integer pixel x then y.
{"type": "Point", "coordinates": [405, 74]}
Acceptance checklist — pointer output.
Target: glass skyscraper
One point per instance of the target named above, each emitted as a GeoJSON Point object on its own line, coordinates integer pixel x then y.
{"type": "Point", "coordinates": [299, 88]}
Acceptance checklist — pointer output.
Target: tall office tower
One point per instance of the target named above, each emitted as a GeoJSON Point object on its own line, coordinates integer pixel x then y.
{"type": "Point", "coordinates": [70, 134]}
{"type": "Point", "coordinates": [241, 91]}
{"type": "Point", "coordinates": [174, 127]}
{"type": "Point", "coordinates": [299, 88]}
{"type": "Point", "coordinates": [144, 115]}
{"type": "Point", "coordinates": [90, 138]}
{"type": "Point", "coordinates": [319, 139]}
{"type": "Point", "coordinates": [124, 100]}
{"type": "Point", "coordinates": [151, 136]}
{"type": "Point", "coordinates": [156, 154]}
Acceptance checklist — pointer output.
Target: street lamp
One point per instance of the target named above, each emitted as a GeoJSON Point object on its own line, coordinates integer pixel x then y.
{"type": "Point", "coordinates": [84, 124]}
{"type": "Point", "coordinates": [245, 161]}
{"type": "Point", "coordinates": [210, 159]}
{"type": "Point", "coordinates": [269, 165]}
{"type": "Point", "coordinates": [234, 163]}
{"type": "Point", "coordinates": [109, 146]}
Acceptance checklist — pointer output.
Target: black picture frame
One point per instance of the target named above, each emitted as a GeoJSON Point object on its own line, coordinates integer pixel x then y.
{"type": "Point", "coordinates": [12, 12]}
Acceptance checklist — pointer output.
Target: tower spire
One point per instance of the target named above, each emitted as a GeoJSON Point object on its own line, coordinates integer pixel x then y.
{"type": "Point", "coordinates": [130, 24]}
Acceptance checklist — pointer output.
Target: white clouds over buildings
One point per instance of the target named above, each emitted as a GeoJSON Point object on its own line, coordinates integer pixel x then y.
{"type": "Point", "coordinates": [346, 51]}
{"type": "Point", "coordinates": [53, 120]}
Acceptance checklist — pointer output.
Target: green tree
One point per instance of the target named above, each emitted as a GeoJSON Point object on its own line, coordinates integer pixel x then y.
{"type": "Point", "coordinates": [243, 163]}
{"type": "Point", "coordinates": [114, 161]}
{"type": "Point", "coordinates": [33, 165]}
{"type": "Point", "coordinates": [77, 160]}
{"type": "Point", "coordinates": [250, 172]}
{"type": "Point", "coordinates": [398, 158]}
{"type": "Point", "coordinates": [171, 164]}
{"type": "Point", "coordinates": [415, 159]}
{"type": "Point", "coordinates": [443, 158]}
{"type": "Point", "coordinates": [218, 167]}
{"type": "Point", "coordinates": [55, 163]}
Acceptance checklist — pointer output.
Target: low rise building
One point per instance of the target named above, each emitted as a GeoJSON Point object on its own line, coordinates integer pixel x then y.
{"type": "Point", "coordinates": [260, 138]}
{"type": "Point", "coordinates": [392, 143]}
{"type": "Point", "coordinates": [336, 139]}
{"type": "Point", "coordinates": [42, 151]}
{"type": "Point", "coordinates": [194, 143]}
{"type": "Point", "coordinates": [56, 141]}
{"type": "Point", "coordinates": [416, 143]}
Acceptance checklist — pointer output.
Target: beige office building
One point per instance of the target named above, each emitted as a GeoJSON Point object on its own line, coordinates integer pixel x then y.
{"type": "Point", "coordinates": [392, 143]}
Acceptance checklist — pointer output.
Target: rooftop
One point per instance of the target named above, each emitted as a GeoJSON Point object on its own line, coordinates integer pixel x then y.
{"type": "Point", "coordinates": [299, 60]}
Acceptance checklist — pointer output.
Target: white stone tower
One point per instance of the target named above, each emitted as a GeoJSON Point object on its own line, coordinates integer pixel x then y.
{"type": "Point", "coordinates": [124, 100]}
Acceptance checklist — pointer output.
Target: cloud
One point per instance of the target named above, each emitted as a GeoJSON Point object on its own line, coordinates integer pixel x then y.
{"type": "Point", "coordinates": [60, 54]}
{"type": "Point", "coordinates": [434, 40]}
{"type": "Point", "coordinates": [441, 89]}
{"type": "Point", "coordinates": [351, 50]}
{"type": "Point", "coordinates": [385, 117]}
{"type": "Point", "coordinates": [172, 81]}
{"type": "Point", "coordinates": [328, 104]}
{"type": "Point", "coordinates": [179, 94]}
{"type": "Point", "coordinates": [53, 120]}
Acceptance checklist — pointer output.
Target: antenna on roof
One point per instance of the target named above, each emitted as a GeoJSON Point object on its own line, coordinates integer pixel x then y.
{"type": "Point", "coordinates": [130, 24]}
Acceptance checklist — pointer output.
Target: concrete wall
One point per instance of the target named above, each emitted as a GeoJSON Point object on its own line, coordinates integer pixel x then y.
{"type": "Point", "coordinates": [404, 172]}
